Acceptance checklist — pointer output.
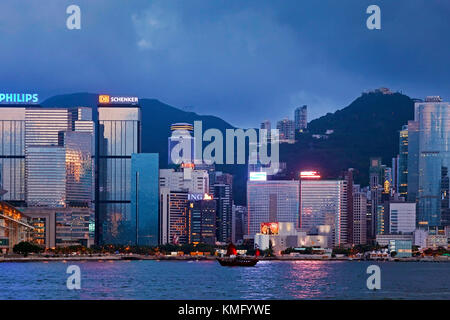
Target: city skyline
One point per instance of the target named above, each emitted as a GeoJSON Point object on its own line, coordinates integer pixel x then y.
{"type": "Point", "coordinates": [224, 149]}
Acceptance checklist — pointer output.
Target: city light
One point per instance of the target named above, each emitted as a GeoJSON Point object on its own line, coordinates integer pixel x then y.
{"type": "Point", "coordinates": [258, 176]}
{"type": "Point", "coordinates": [309, 175]}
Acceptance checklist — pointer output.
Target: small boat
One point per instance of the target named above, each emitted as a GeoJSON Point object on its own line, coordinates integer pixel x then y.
{"type": "Point", "coordinates": [233, 260]}
{"type": "Point", "coordinates": [237, 261]}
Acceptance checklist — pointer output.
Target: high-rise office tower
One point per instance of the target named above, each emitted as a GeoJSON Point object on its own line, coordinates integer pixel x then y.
{"type": "Point", "coordinates": [272, 201]}
{"type": "Point", "coordinates": [79, 167]}
{"type": "Point", "coordinates": [403, 163]}
{"type": "Point", "coordinates": [223, 197]}
{"type": "Point", "coordinates": [181, 146]}
{"type": "Point", "coordinates": [177, 187]}
{"type": "Point", "coordinates": [58, 165]}
{"type": "Point", "coordinates": [202, 221]}
{"type": "Point", "coordinates": [395, 174]}
{"type": "Point", "coordinates": [221, 188]}
{"type": "Point", "coordinates": [376, 181]}
{"type": "Point", "coordinates": [49, 170]}
{"type": "Point", "coordinates": [145, 198]}
{"type": "Point", "coordinates": [12, 153]}
{"type": "Point", "coordinates": [402, 217]}
{"type": "Point", "coordinates": [324, 202]}
{"type": "Point", "coordinates": [46, 176]}
{"type": "Point", "coordinates": [348, 177]}
{"type": "Point", "coordinates": [286, 129]}
{"type": "Point", "coordinates": [445, 198]}
{"type": "Point", "coordinates": [359, 218]}
{"type": "Point", "coordinates": [193, 181]}
{"type": "Point", "coordinates": [433, 117]}
{"type": "Point", "coordinates": [173, 216]}
{"type": "Point", "coordinates": [301, 118]}
{"type": "Point", "coordinates": [413, 161]}
{"type": "Point", "coordinates": [118, 137]}
{"type": "Point", "coordinates": [239, 223]}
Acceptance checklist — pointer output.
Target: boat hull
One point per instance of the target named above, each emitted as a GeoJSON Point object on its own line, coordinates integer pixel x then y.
{"type": "Point", "coordinates": [237, 262]}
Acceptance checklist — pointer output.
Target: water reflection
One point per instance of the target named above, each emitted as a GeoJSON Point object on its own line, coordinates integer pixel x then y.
{"type": "Point", "coordinates": [208, 280]}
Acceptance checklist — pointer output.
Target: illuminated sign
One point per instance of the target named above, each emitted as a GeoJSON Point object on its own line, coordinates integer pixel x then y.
{"type": "Point", "coordinates": [107, 99]}
{"type": "Point", "coordinates": [269, 228]}
{"type": "Point", "coordinates": [199, 196]}
{"type": "Point", "coordinates": [258, 176]}
{"type": "Point", "coordinates": [309, 175]}
{"type": "Point", "coordinates": [19, 98]}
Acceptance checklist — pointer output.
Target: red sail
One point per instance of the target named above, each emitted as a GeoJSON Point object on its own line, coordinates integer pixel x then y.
{"type": "Point", "coordinates": [231, 251]}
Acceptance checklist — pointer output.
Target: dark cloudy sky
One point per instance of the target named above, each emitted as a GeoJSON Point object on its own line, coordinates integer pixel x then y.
{"type": "Point", "coordinates": [242, 60]}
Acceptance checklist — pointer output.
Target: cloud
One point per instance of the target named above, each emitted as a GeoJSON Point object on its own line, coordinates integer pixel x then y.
{"type": "Point", "coordinates": [245, 61]}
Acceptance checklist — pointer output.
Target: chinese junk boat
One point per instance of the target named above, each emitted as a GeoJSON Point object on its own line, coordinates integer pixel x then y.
{"type": "Point", "coordinates": [233, 260]}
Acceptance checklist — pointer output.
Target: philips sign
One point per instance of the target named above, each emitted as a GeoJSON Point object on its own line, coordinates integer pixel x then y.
{"type": "Point", "coordinates": [106, 99]}
{"type": "Point", "coordinates": [19, 98]}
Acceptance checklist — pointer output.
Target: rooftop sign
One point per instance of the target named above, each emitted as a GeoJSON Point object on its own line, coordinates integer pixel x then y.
{"type": "Point", "coordinates": [19, 98]}
{"type": "Point", "coordinates": [258, 176]}
{"type": "Point", "coordinates": [107, 99]}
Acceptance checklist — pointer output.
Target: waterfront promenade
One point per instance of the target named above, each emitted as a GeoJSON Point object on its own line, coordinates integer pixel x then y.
{"type": "Point", "coordinates": [109, 257]}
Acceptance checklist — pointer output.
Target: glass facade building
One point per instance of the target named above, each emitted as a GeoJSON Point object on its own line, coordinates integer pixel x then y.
{"type": "Point", "coordinates": [145, 197]}
{"type": "Point", "coordinates": [12, 153]}
{"type": "Point", "coordinates": [58, 165]}
{"type": "Point", "coordinates": [272, 201]}
{"type": "Point", "coordinates": [118, 137]}
{"type": "Point", "coordinates": [413, 161]}
{"type": "Point", "coordinates": [46, 176]}
{"type": "Point", "coordinates": [79, 168]}
{"type": "Point", "coordinates": [202, 222]}
{"type": "Point", "coordinates": [324, 202]}
{"type": "Point", "coordinates": [433, 117]}
{"type": "Point", "coordinates": [223, 196]}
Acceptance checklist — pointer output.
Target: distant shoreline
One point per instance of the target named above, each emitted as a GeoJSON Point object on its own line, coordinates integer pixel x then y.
{"type": "Point", "coordinates": [106, 258]}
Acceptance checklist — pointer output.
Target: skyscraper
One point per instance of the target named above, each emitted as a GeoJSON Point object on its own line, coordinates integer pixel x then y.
{"type": "Point", "coordinates": [145, 198]}
{"type": "Point", "coordinates": [376, 181]}
{"type": "Point", "coordinates": [239, 223]}
{"type": "Point", "coordinates": [202, 221]}
{"type": "Point", "coordinates": [193, 181]}
{"type": "Point", "coordinates": [221, 188]}
{"type": "Point", "coordinates": [359, 218]}
{"type": "Point", "coordinates": [403, 163]}
{"type": "Point", "coordinates": [118, 137]}
{"type": "Point", "coordinates": [402, 217]}
{"type": "Point", "coordinates": [223, 196]}
{"type": "Point", "coordinates": [433, 117]}
{"type": "Point", "coordinates": [286, 129]}
{"type": "Point", "coordinates": [413, 161]}
{"type": "Point", "coordinates": [324, 202]}
{"type": "Point", "coordinates": [181, 146]}
{"type": "Point", "coordinates": [348, 177]}
{"type": "Point", "coordinates": [12, 153]}
{"type": "Point", "coordinates": [272, 201]}
{"type": "Point", "coordinates": [49, 168]}
{"type": "Point", "coordinates": [58, 165]}
{"type": "Point", "coordinates": [301, 118]}
{"type": "Point", "coordinates": [173, 216]}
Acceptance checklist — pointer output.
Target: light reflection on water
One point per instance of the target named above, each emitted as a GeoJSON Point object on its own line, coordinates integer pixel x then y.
{"type": "Point", "coordinates": [208, 280]}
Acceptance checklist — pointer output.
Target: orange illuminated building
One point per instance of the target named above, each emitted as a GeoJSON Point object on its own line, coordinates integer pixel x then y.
{"type": "Point", "coordinates": [14, 227]}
